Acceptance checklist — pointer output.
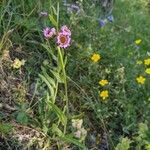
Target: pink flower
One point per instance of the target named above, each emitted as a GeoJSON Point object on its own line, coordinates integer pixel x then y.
{"type": "Point", "coordinates": [65, 30]}
{"type": "Point", "coordinates": [49, 32]}
{"type": "Point", "coordinates": [63, 40]}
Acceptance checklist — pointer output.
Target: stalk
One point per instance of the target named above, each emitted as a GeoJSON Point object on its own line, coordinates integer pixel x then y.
{"type": "Point", "coordinates": [66, 109]}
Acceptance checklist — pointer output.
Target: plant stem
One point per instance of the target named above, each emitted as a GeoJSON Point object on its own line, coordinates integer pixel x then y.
{"type": "Point", "coordinates": [66, 109]}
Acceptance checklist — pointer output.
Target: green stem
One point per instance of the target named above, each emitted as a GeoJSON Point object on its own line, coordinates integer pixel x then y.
{"type": "Point", "coordinates": [66, 109]}
{"type": "Point", "coordinates": [60, 55]}
{"type": "Point", "coordinates": [57, 15]}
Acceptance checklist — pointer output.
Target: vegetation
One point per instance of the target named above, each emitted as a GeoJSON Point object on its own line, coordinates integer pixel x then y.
{"type": "Point", "coordinates": [74, 75]}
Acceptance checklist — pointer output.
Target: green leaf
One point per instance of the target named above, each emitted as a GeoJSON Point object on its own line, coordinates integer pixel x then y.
{"type": "Point", "coordinates": [124, 144]}
{"type": "Point", "coordinates": [143, 130]}
{"type": "Point", "coordinates": [70, 139]}
{"type": "Point", "coordinates": [54, 10]}
{"type": "Point", "coordinates": [59, 113]}
{"type": "Point", "coordinates": [61, 59]}
{"type": "Point", "coordinates": [5, 128]}
{"type": "Point", "coordinates": [53, 21]}
{"type": "Point", "coordinates": [56, 130]}
{"type": "Point", "coordinates": [49, 51]}
{"type": "Point", "coordinates": [57, 75]}
{"type": "Point", "coordinates": [22, 118]}
{"type": "Point", "coordinates": [51, 88]}
{"type": "Point", "coordinates": [51, 80]}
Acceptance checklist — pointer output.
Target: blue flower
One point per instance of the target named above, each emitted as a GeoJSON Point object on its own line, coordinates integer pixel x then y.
{"type": "Point", "coordinates": [102, 22]}
{"type": "Point", "coordinates": [110, 18]}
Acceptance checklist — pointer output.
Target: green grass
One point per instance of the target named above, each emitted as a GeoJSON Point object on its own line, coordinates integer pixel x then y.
{"type": "Point", "coordinates": [41, 98]}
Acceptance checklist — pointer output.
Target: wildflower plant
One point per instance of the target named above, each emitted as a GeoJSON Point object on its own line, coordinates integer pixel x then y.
{"type": "Point", "coordinates": [102, 74]}
{"type": "Point", "coordinates": [18, 63]}
{"type": "Point", "coordinates": [104, 95]}
{"type": "Point", "coordinates": [55, 77]}
{"type": "Point", "coordinates": [103, 82]}
{"type": "Point", "coordinates": [138, 41]}
{"type": "Point", "coordinates": [49, 32]}
{"type": "Point", "coordinates": [95, 57]}
{"type": "Point", "coordinates": [140, 79]}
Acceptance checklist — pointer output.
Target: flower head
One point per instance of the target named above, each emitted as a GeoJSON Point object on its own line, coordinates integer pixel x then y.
{"type": "Point", "coordinates": [147, 70]}
{"type": "Point", "coordinates": [65, 30]}
{"type": "Point", "coordinates": [73, 8]}
{"type": "Point", "coordinates": [140, 80]}
{"type": "Point", "coordinates": [103, 82]}
{"type": "Point", "coordinates": [18, 63]}
{"type": "Point", "coordinates": [95, 57]}
{"type": "Point", "coordinates": [147, 61]}
{"type": "Point", "coordinates": [138, 41]}
{"type": "Point", "coordinates": [110, 18]}
{"type": "Point", "coordinates": [49, 32]}
{"type": "Point", "coordinates": [63, 40]}
{"type": "Point", "coordinates": [102, 22]}
{"type": "Point", "coordinates": [104, 94]}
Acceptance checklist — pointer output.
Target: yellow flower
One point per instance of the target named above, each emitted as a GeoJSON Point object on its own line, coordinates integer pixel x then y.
{"type": "Point", "coordinates": [147, 61]}
{"type": "Point", "coordinates": [147, 70]}
{"type": "Point", "coordinates": [148, 99]}
{"type": "Point", "coordinates": [140, 79]}
{"type": "Point", "coordinates": [138, 41]}
{"type": "Point", "coordinates": [95, 57]}
{"type": "Point", "coordinates": [104, 94]}
{"type": "Point", "coordinates": [139, 62]}
{"type": "Point", "coordinates": [17, 63]}
{"type": "Point", "coordinates": [103, 82]}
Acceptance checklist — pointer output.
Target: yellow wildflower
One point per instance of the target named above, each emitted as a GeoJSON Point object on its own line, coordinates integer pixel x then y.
{"type": "Point", "coordinates": [103, 82]}
{"type": "Point", "coordinates": [138, 41]}
{"type": "Point", "coordinates": [139, 62]}
{"type": "Point", "coordinates": [147, 70]}
{"type": "Point", "coordinates": [17, 63]}
{"type": "Point", "coordinates": [104, 94]}
{"type": "Point", "coordinates": [147, 61]}
{"type": "Point", "coordinates": [140, 79]}
{"type": "Point", "coordinates": [95, 57]}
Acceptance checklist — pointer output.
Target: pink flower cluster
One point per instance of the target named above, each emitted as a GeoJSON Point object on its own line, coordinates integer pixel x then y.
{"type": "Point", "coordinates": [63, 36]}
{"type": "Point", "coordinates": [49, 32]}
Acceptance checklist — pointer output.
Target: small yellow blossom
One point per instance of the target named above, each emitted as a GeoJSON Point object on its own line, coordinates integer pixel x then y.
{"type": "Point", "coordinates": [17, 63]}
{"type": "Point", "coordinates": [139, 62]}
{"type": "Point", "coordinates": [103, 82]}
{"type": "Point", "coordinates": [104, 94]}
{"type": "Point", "coordinates": [140, 79]}
{"type": "Point", "coordinates": [147, 70]}
{"type": "Point", "coordinates": [148, 99]}
{"type": "Point", "coordinates": [138, 41]}
{"type": "Point", "coordinates": [147, 61]}
{"type": "Point", "coordinates": [95, 57]}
